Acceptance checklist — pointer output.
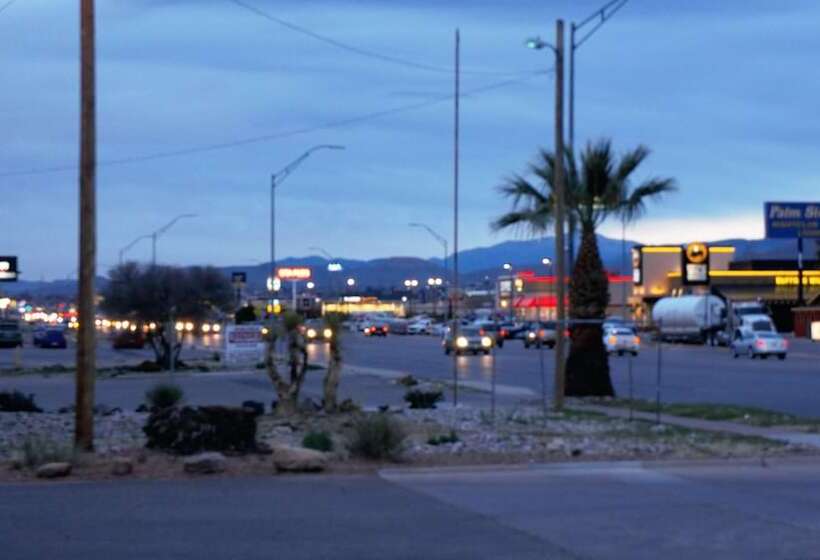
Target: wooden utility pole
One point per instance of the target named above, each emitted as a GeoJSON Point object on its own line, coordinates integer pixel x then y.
{"type": "Point", "coordinates": [560, 273]}
{"type": "Point", "coordinates": [86, 343]}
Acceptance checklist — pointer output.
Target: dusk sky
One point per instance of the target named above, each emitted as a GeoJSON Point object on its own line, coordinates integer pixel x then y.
{"type": "Point", "coordinates": [722, 92]}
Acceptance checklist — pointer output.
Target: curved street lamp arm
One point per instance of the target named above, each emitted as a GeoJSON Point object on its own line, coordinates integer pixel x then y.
{"type": "Point", "coordinates": [432, 232]}
{"type": "Point", "coordinates": [283, 173]}
{"type": "Point", "coordinates": [167, 226]}
{"type": "Point", "coordinates": [325, 253]}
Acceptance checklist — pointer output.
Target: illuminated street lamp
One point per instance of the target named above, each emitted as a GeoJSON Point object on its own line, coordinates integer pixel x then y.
{"type": "Point", "coordinates": [310, 285]}
{"type": "Point", "coordinates": [351, 282]}
{"type": "Point", "coordinates": [507, 267]}
{"type": "Point", "coordinates": [546, 261]}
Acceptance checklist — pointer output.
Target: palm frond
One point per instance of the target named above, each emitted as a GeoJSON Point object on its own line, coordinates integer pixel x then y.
{"type": "Point", "coordinates": [634, 205]}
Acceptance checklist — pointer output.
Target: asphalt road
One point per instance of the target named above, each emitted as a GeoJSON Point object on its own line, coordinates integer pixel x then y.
{"type": "Point", "coordinates": [616, 510]}
{"type": "Point", "coordinates": [688, 373]}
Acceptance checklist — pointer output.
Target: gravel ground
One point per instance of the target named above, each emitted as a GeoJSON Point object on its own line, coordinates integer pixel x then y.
{"type": "Point", "coordinates": [470, 436]}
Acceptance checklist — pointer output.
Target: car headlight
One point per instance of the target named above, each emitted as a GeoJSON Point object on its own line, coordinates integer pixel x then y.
{"type": "Point", "coordinates": [462, 342]}
{"type": "Point", "coordinates": [486, 342]}
{"type": "Point", "coordinates": [311, 333]}
{"type": "Point", "coordinates": [206, 328]}
{"type": "Point", "coordinates": [530, 335]}
{"type": "Point", "coordinates": [216, 328]}
{"type": "Point", "coordinates": [328, 333]}
{"type": "Point", "coordinates": [265, 331]}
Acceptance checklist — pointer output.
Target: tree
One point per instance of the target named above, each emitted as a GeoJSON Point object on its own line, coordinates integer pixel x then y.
{"type": "Point", "coordinates": [600, 189]}
{"type": "Point", "coordinates": [245, 314]}
{"type": "Point", "coordinates": [156, 293]}
{"type": "Point", "coordinates": [288, 388]}
{"type": "Point", "coordinates": [330, 386]}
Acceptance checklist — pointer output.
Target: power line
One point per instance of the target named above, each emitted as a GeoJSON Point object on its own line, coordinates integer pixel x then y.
{"type": "Point", "coordinates": [279, 135]}
{"type": "Point", "coordinates": [6, 5]}
{"type": "Point", "coordinates": [364, 52]}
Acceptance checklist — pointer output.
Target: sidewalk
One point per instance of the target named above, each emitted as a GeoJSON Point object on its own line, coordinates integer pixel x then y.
{"type": "Point", "coordinates": [776, 434]}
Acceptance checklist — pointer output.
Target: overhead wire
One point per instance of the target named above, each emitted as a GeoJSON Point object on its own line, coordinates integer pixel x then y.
{"type": "Point", "coordinates": [280, 135]}
{"type": "Point", "coordinates": [366, 52]}
{"type": "Point", "coordinates": [6, 5]}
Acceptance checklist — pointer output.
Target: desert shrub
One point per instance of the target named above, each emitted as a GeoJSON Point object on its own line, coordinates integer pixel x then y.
{"type": "Point", "coordinates": [420, 398]}
{"type": "Point", "coordinates": [190, 430]}
{"type": "Point", "coordinates": [257, 407]}
{"type": "Point", "coordinates": [15, 401]}
{"type": "Point", "coordinates": [452, 437]}
{"type": "Point", "coordinates": [377, 437]}
{"type": "Point", "coordinates": [38, 450]}
{"type": "Point", "coordinates": [320, 441]}
{"type": "Point", "coordinates": [164, 395]}
{"type": "Point", "coordinates": [407, 380]}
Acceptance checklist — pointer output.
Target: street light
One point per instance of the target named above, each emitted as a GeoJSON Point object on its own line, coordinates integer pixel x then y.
{"type": "Point", "coordinates": [546, 261]}
{"type": "Point", "coordinates": [154, 236]}
{"type": "Point", "coordinates": [351, 282]}
{"type": "Point", "coordinates": [277, 179]}
{"type": "Point", "coordinates": [560, 185]}
{"type": "Point", "coordinates": [507, 267]}
{"type": "Point", "coordinates": [134, 242]}
{"type": "Point", "coordinates": [332, 266]}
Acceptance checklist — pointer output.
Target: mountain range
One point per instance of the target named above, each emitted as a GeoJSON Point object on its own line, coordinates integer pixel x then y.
{"type": "Point", "coordinates": [477, 266]}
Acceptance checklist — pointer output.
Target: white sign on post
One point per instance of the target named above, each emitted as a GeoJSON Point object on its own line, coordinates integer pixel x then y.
{"type": "Point", "coordinates": [244, 344]}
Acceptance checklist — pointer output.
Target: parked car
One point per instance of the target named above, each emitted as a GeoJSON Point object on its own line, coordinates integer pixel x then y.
{"type": "Point", "coordinates": [316, 331]}
{"type": "Point", "coordinates": [760, 344]}
{"type": "Point", "coordinates": [51, 338]}
{"type": "Point", "coordinates": [128, 339]}
{"type": "Point", "coordinates": [621, 340]}
{"type": "Point", "coordinates": [469, 339]}
{"type": "Point", "coordinates": [10, 334]}
{"type": "Point", "coordinates": [510, 330]}
{"type": "Point", "coordinates": [420, 326]}
{"type": "Point", "coordinates": [539, 334]}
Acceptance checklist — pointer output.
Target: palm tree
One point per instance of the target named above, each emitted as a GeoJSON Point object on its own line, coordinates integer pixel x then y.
{"type": "Point", "coordinates": [600, 189]}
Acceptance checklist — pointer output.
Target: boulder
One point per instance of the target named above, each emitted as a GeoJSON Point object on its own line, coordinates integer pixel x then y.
{"type": "Point", "coordinates": [53, 470]}
{"type": "Point", "coordinates": [122, 466]}
{"type": "Point", "coordinates": [298, 459]}
{"type": "Point", "coordinates": [205, 463]}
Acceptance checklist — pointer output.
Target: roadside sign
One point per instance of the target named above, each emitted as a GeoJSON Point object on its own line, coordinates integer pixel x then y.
{"type": "Point", "coordinates": [695, 264]}
{"type": "Point", "coordinates": [239, 278]}
{"type": "Point", "coordinates": [293, 273]}
{"type": "Point", "coordinates": [244, 344]}
{"type": "Point", "coordinates": [8, 269]}
{"type": "Point", "coordinates": [792, 219]}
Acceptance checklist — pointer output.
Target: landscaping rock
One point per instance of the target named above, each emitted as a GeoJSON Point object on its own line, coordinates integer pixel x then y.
{"type": "Point", "coordinates": [205, 463]}
{"type": "Point", "coordinates": [53, 470]}
{"type": "Point", "coordinates": [298, 459]}
{"type": "Point", "coordinates": [122, 466]}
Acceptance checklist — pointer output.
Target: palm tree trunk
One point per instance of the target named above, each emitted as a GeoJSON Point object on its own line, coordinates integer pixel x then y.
{"type": "Point", "coordinates": [588, 362]}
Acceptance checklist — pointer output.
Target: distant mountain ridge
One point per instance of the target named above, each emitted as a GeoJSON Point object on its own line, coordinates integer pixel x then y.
{"type": "Point", "coordinates": [477, 266]}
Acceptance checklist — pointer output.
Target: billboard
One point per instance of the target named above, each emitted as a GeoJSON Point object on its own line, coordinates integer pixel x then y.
{"type": "Point", "coordinates": [637, 266]}
{"type": "Point", "coordinates": [8, 269]}
{"type": "Point", "coordinates": [244, 344]}
{"type": "Point", "coordinates": [792, 219]}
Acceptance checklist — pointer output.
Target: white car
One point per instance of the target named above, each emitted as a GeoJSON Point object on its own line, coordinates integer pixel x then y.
{"type": "Point", "coordinates": [621, 340]}
{"type": "Point", "coordinates": [758, 344]}
{"type": "Point", "coordinates": [420, 326]}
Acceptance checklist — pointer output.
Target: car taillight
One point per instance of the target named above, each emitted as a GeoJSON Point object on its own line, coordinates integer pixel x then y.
{"type": "Point", "coordinates": [481, 332]}
{"type": "Point", "coordinates": [613, 340]}
{"type": "Point", "coordinates": [504, 332]}
{"type": "Point", "coordinates": [760, 343]}
{"type": "Point", "coordinates": [785, 343]}
{"type": "Point", "coordinates": [541, 333]}
{"type": "Point", "coordinates": [637, 340]}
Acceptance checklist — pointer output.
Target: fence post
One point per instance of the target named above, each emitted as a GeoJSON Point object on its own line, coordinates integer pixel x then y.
{"type": "Point", "coordinates": [658, 378]}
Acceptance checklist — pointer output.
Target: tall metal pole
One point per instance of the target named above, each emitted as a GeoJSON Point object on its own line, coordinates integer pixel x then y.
{"type": "Point", "coordinates": [273, 227]}
{"type": "Point", "coordinates": [86, 343]}
{"type": "Point", "coordinates": [800, 270]}
{"type": "Point", "coordinates": [455, 295]}
{"type": "Point", "coordinates": [154, 249]}
{"type": "Point", "coordinates": [560, 381]}
{"type": "Point", "coordinates": [571, 221]}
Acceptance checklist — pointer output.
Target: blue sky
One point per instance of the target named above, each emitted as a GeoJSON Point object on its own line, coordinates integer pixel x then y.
{"type": "Point", "coordinates": [722, 92]}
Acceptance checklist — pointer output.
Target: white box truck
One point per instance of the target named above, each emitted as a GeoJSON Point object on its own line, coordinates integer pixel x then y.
{"type": "Point", "coordinates": [689, 318]}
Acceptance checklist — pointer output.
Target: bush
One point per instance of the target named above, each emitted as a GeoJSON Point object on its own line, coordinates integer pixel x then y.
{"type": "Point", "coordinates": [257, 407]}
{"type": "Point", "coordinates": [377, 437]}
{"type": "Point", "coordinates": [39, 450]}
{"type": "Point", "coordinates": [147, 366]}
{"type": "Point", "coordinates": [164, 395]}
{"type": "Point", "coordinates": [407, 380]}
{"type": "Point", "coordinates": [15, 401]}
{"type": "Point", "coordinates": [189, 430]}
{"type": "Point", "coordinates": [320, 441]}
{"type": "Point", "coordinates": [452, 437]}
{"type": "Point", "coordinates": [419, 398]}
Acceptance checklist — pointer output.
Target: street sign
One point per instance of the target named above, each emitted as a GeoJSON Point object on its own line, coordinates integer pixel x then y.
{"type": "Point", "coordinates": [8, 269]}
{"type": "Point", "coordinates": [240, 278]}
{"type": "Point", "coordinates": [293, 273]}
{"type": "Point", "coordinates": [244, 343]}
{"type": "Point", "coordinates": [695, 264]}
{"type": "Point", "coordinates": [792, 219]}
